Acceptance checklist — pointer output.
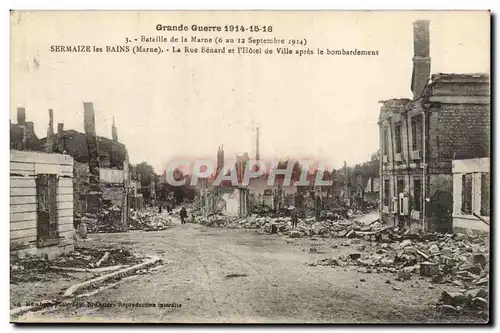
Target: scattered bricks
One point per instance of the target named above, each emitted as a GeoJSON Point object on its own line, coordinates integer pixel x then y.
{"type": "Point", "coordinates": [453, 298]}
{"type": "Point", "coordinates": [433, 249]}
{"type": "Point", "coordinates": [438, 278]}
{"type": "Point", "coordinates": [396, 288]}
{"type": "Point", "coordinates": [447, 261]}
{"type": "Point", "coordinates": [445, 308]}
{"type": "Point", "coordinates": [355, 255]}
{"type": "Point", "coordinates": [385, 238]}
{"type": "Point", "coordinates": [295, 234]}
{"type": "Point", "coordinates": [405, 243]}
{"type": "Point", "coordinates": [405, 273]}
{"type": "Point", "coordinates": [474, 293]}
{"type": "Point", "coordinates": [423, 254]}
{"type": "Point", "coordinates": [410, 249]}
{"type": "Point", "coordinates": [480, 258]}
{"type": "Point", "coordinates": [387, 262]}
{"type": "Point", "coordinates": [343, 233]}
{"type": "Point", "coordinates": [482, 281]}
{"type": "Point", "coordinates": [446, 251]}
{"type": "Point", "coordinates": [313, 250]}
{"type": "Point", "coordinates": [429, 269]}
{"type": "Point", "coordinates": [351, 234]}
{"type": "Point", "coordinates": [480, 302]}
{"type": "Point", "coordinates": [368, 262]}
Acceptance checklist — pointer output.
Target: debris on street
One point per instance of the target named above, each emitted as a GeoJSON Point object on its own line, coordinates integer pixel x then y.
{"type": "Point", "coordinates": [148, 219]}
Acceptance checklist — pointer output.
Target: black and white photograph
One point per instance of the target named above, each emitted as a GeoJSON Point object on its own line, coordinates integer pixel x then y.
{"type": "Point", "coordinates": [250, 167]}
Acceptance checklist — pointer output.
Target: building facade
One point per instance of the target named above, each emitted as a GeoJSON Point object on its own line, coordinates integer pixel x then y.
{"type": "Point", "coordinates": [471, 195]}
{"type": "Point", "coordinates": [448, 118]}
{"type": "Point", "coordinates": [41, 203]}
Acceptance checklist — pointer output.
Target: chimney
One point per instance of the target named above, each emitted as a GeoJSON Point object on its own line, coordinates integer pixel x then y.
{"type": "Point", "coordinates": [60, 137]}
{"type": "Point", "coordinates": [49, 144]}
{"type": "Point", "coordinates": [421, 58]}
{"type": "Point", "coordinates": [21, 116]}
{"type": "Point", "coordinates": [50, 129]}
{"type": "Point", "coordinates": [89, 118]}
{"type": "Point", "coordinates": [30, 128]}
{"type": "Point", "coordinates": [220, 159]}
{"type": "Point", "coordinates": [114, 132]}
{"type": "Point", "coordinates": [94, 197]}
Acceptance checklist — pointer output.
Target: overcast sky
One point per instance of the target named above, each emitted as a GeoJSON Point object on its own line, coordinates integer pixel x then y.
{"type": "Point", "coordinates": [319, 107]}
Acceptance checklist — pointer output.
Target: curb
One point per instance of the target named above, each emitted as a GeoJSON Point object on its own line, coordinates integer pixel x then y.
{"type": "Point", "coordinates": [83, 285]}
{"type": "Point", "coordinates": [76, 287]}
{"type": "Point", "coordinates": [87, 270]}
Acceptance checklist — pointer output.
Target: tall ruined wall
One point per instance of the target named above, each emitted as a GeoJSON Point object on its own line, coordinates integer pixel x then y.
{"type": "Point", "coordinates": [80, 187]}
{"type": "Point", "coordinates": [464, 130]}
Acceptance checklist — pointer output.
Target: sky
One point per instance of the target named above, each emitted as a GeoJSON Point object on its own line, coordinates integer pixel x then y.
{"type": "Point", "coordinates": [169, 106]}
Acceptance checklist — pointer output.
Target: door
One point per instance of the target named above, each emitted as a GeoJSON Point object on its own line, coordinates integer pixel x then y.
{"type": "Point", "coordinates": [46, 193]}
{"type": "Point", "coordinates": [442, 206]}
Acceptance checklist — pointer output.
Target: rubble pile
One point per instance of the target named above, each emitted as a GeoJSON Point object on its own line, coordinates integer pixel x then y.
{"type": "Point", "coordinates": [457, 302]}
{"type": "Point", "coordinates": [216, 220]}
{"type": "Point", "coordinates": [29, 269]}
{"type": "Point", "coordinates": [94, 258]}
{"type": "Point", "coordinates": [459, 260]}
{"type": "Point", "coordinates": [148, 219]}
{"type": "Point", "coordinates": [335, 227]}
{"type": "Point", "coordinates": [109, 219]}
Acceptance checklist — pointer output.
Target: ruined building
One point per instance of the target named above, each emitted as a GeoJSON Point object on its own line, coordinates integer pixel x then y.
{"type": "Point", "coordinates": [22, 134]}
{"type": "Point", "coordinates": [41, 200]}
{"type": "Point", "coordinates": [101, 167]}
{"type": "Point", "coordinates": [446, 120]}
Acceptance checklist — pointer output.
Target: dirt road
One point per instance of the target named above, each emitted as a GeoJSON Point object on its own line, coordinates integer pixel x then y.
{"type": "Point", "coordinates": [221, 275]}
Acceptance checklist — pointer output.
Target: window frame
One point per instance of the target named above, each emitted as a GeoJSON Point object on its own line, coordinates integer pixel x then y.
{"type": "Point", "coordinates": [398, 138]}
{"type": "Point", "coordinates": [469, 209]}
{"type": "Point", "coordinates": [417, 198]}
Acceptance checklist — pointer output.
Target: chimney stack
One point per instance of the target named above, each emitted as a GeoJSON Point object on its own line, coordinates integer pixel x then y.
{"type": "Point", "coordinates": [21, 116]}
{"type": "Point", "coordinates": [421, 58]}
{"type": "Point", "coordinates": [60, 137]}
{"type": "Point", "coordinates": [114, 132]}
{"type": "Point", "coordinates": [94, 197]}
{"type": "Point", "coordinates": [220, 159]}
{"type": "Point", "coordinates": [50, 129]}
{"type": "Point", "coordinates": [49, 144]}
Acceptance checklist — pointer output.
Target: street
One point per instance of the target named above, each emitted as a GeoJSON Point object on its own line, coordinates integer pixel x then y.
{"type": "Point", "coordinates": [232, 275]}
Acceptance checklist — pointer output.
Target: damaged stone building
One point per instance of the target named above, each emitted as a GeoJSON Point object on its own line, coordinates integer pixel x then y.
{"type": "Point", "coordinates": [41, 195]}
{"type": "Point", "coordinates": [101, 168]}
{"type": "Point", "coordinates": [447, 120]}
{"type": "Point", "coordinates": [225, 198]}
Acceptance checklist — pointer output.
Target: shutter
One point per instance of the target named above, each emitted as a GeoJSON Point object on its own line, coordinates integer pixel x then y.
{"type": "Point", "coordinates": [53, 213]}
{"type": "Point", "coordinates": [47, 217]}
{"type": "Point", "coordinates": [42, 195]}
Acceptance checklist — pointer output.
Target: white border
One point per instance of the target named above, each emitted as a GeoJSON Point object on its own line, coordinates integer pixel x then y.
{"type": "Point", "coordinates": [151, 5]}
